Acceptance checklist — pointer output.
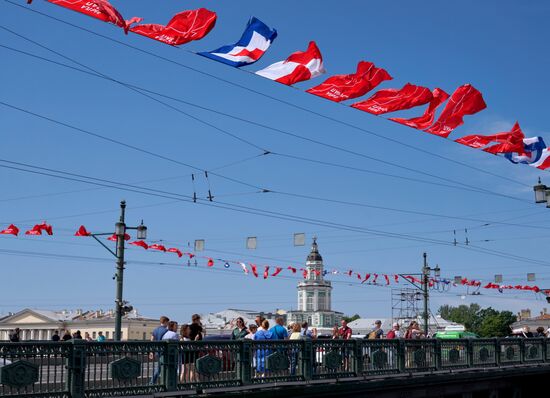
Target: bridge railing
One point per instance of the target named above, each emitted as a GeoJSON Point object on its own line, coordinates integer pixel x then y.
{"type": "Point", "coordinates": [81, 369]}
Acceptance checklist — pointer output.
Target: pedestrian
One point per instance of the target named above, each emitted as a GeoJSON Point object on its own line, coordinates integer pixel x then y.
{"type": "Point", "coordinates": [172, 332]}
{"type": "Point", "coordinates": [262, 353]}
{"type": "Point", "coordinates": [87, 336]}
{"type": "Point", "coordinates": [278, 331]}
{"type": "Point", "coordinates": [259, 320]}
{"type": "Point", "coordinates": [187, 367]}
{"type": "Point", "coordinates": [345, 331]}
{"type": "Point", "coordinates": [539, 332]}
{"type": "Point", "coordinates": [77, 335]}
{"type": "Point", "coordinates": [55, 336]}
{"type": "Point", "coordinates": [295, 352]}
{"type": "Point", "coordinates": [66, 336]}
{"type": "Point", "coordinates": [377, 332]}
{"type": "Point", "coordinates": [240, 330]}
{"type": "Point", "coordinates": [196, 331]}
{"type": "Point", "coordinates": [394, 333]}
{"type": "Point", "coordinates": [526, 332]}
{"type": "Point", "coordinates": [296, 329]}
{"type": "Point", "coordinates": [156, 335]}
{"type": "Point", "coordinates": [335, 335]}
{"type": "Point", "coordinates": [253, 328]}
{"type": "Point", "coordinates": [14, 336]}
{"type": "Point", "coordinates": [100, 337]}
{"type": "Point", "coordinates": [413, 331]}
{"type": "Point", "coordinates": [305, 330]}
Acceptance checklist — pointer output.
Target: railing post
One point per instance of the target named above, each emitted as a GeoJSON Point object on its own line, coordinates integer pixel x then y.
{"type": "Point", "coordinates": [307, 358]}
{"type": "Point", "coordinates": [498, 350]}
{"type": "Point", "coordinates": [357, 357]}
{"type": "Point", "coordinates": [244, 368]}
{"type": "Point", "coordinates": [521, 351]}
{"type": "Point", "coordinates": [470, 352]}
{"type": "Point", "coordinates": [170, 363]}
{"type": "Point", "coordinates": [76, 366]}
{"type": "Point", "coordinates": [401, 355]}
{"type": "Point", "coordinates": [437, 353]}
{"type": "Point", "coordinates": [544, 349]}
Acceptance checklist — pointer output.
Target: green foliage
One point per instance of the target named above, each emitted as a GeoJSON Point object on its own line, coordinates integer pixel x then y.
{"type": "Point", "coordinates": [486, 322]}
{"type": "Point", "coordinates": [351, 318]}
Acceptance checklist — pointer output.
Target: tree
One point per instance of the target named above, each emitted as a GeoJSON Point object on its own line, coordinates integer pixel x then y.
{"type": "Point", "coordinates": [349, 319]}
{"type": "Point", "coordinates": [486, 322]}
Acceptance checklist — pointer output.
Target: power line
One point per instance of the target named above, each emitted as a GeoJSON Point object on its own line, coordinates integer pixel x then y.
{"type": "Point", "coordinates": [422, 150]}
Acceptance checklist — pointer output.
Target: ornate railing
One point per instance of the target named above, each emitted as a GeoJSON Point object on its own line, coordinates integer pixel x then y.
{"type": "Point", "coordinates": [81, 369]}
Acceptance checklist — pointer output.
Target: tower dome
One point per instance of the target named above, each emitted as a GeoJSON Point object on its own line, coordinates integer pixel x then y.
{"type": "Point", "coordinates": [314, 254]}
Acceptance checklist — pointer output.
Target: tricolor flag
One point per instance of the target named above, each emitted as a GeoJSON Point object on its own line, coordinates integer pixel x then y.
{"type": "Point", "coordinates": [184, 27]}
{"type": "Point", "coordinates": [391, 99]}
{"type": "Point", "coordinates": [254, 42]}
{"type": "Point", "coordinates": [535, 154]}
{"type": "Point", "coordinates": [342, 87]}
{"type": "Point", "coordinates": [299, 66]}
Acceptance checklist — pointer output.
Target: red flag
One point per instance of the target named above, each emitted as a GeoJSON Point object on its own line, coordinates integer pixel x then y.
{"type": "Point", "coordinates": [266, 271]}
{"type": "Point", "coordinates": [358, 276]}
{"type": "Point", "coordinates": [33, 231]}
{"type": "Point", "coordinates": [511, 141]}
{"type": "Point", "coordinates": [387, 278]}
{"type": "Point", "coordinates": [11, 230]}
{"type": "Point", "coordinates": [304, 273]}
{"type": "Point", "coordinates": [157, 247]}
{"type": "Point", "coordinates": [82, 231]}
{"type": "Point", "coordinates": [100, 9]}
{"type": "Point", "coordinates": [191, 255]}
{"type": "Point", "coordinates": [175, 250]}
{"type": "Point", "coordinates": [292, 269]}
{"type": "Point", "coordinates": [254, 269]}
{"type": "Point", "coordinates": [277, 271]}
{"type": "Point", "coordinates": [45, 227]}
{"type": "Point", "coordinates": [391, 99]}
{"type": "Point", "coordinates": [466, 100]}
{"type": "Point", "coordinates": [140, 243]}
{"type": "Point", "coordinates": [396, 278]}
{"type": "Point", "coordinates": [349, 272]}
{"type": "Point", "coordinates": [182, 28]}
{"type": "Point", "coordinates": [210, 262]}
{"type": "Point", "coordinates": [366, 278]}
{"type": "Point", "coordinates": [342, 87]}
{"type": "Point", "coordinates": [113, 237]}
{"type": "Point", "coordinates": [438, 97]}
{"type": "Point", "coordinates": [375, 278]}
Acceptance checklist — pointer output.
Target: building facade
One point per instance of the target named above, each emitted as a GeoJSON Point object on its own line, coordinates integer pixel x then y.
{"type": "Point", "coordinates": [41, 325]}
{"type": "Point", "coordinates": [314, 295]}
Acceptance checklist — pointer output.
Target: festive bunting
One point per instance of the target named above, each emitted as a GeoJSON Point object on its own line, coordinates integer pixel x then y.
{"type": "Point", "coordinates": [277, 271]}
{"type": "Point", "coordinates": [140, 243]}
{"type": "Point", "coordinates": [366, 278]}
{"type": "Point", "coordinates": [243, 266]}
{"type": "Point", "coordinates": [342, 87]}
{"type": "Point", "coordinates": [82, 231]}
{"type": "Point", "coordinates": [292, 269]}
{"type": "Point", "coordinates": [254, 270]}
{"type": "Point", "coordinates": [226, 265]}
{"type": "Point", "coordinates": [100, 9]}
{"type": "Point", "coordinates": [182, 28]}
{"type": "Point", "coordinates": [254, 42]}
{"type": "Point", "coordinates": [534, 153]}
{"type": "Point", "coordinates": [466, 100]}
{"type": "Point", "coordinates": [33, 232]}
{"type": "Point", "coordinates": [387, 278]}
{"type": "Point", "coordinates": [511, 141]}
{"type": "Point", "coordinates": [113, 237]}
{"type": "Point", "coordinates": [175, 250]}
{"type": "Point", "coordinates": [38, 228]}
{"type": "Point", "coordinates": [438, 97]}
{"type": "Point", "coordinates": [391, 99]}
{"type": "Point", "coordinates": [11, 230]}
{"type": "Point", "coordinates": [299, 66]}
{"type": "Point", "coordinates": [210, 262]}
{"type": "Point", "coordinates": [158, 247]}
{"type": "Point", "coordinates": [266, 271]}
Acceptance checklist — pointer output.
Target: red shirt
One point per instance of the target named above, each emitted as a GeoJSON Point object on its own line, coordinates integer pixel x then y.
{"type": "Point", "coordinates": [344, 332]}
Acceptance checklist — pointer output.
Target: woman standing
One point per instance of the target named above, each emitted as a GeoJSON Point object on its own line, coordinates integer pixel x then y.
{"type": "Point", "coordinates": [263, 333]}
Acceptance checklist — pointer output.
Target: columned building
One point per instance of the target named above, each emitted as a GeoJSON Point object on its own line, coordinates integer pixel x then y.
{"type": "Point", "coordinates": [314, 295]}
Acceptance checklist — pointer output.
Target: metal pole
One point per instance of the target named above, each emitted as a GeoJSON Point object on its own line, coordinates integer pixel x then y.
{"type": "Point", "coordinates": [425, 273]}
{"type": "Point", "coordinates": [119, 271]}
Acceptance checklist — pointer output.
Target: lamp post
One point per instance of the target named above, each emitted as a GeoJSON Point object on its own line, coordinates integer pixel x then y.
{"type": "Point", "coordinates": [120, 232]}
{"type": "Point", "coordinates": [426, 270]}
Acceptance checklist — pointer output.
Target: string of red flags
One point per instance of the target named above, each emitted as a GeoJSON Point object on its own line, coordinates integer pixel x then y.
{"type": "Point", "coordinates": [308, 272]}
{"type": "Point", "coordinates": [339, 88]}
{"type": "Point", "coordinates": [298, 67]}
{"type": "Point", "coordinates": [192, 25]}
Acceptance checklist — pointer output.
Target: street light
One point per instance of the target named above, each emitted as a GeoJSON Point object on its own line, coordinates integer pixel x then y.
{"type": "Point", "coordinates": [121, 306]}
{"type": "Point", "coordinates": [426, 271]}
{"type": "Point", "coordinates": [542, 193]}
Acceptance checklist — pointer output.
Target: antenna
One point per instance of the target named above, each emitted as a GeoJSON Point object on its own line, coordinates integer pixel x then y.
{"type": "Point", "coordinates": [466, 233]}
{"type": "Point", "coordinates": [210, 197]}
{"type": "Point", "coordinates": [194, 190]}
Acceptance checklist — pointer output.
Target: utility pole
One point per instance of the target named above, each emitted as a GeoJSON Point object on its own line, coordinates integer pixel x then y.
{"type": "Point", "coordinates": [120, 231]}
{"type": "Point", "coordinates": [425, 281]}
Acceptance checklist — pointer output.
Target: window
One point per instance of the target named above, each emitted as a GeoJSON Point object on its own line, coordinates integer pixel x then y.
{"type": "Point", "coordinates": [321, 301]}
{"type": "Point", "coordinates": [309, 301]}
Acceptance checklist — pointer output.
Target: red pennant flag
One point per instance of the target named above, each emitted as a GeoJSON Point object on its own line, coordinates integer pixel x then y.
{"type": "Point", "coordinates": [292, 269]}
{"type": "Point", "coordinates": [33, 231]}
{"type": "Point", "coordinates": [11, 230]}
{"type": "Point", "coordinates": [82, 231]}
{"type": "Point", "coordinates": [191, 255]}
{"type": "Point", "coordinates": [304, 273]}
{"type": "Point", "coordinates": [466, 100]}
{"type": "Point", "coordinates": [396, 278]}
{"type": "Point", "coordinates": [254, 269]}
{"type": "Point", "coordinates": [182, 28]}
{"type": "Point", "coordinates": [140, 243]}
{"type": "Point", "coordinates": [375, 278]}
{"type": "Point", "coordinates": [113, 237]}
{"type": "Point", "coordinates": [349, 272]}
{"type": "Point", "coordinates": [157, 247]}
{"type": "Point", "coordinates": [342, 87]}
{"type": "Point", "coordinates": [210, 262]}
{"type": "Point", "coordinates": [175, 250]}
{"type": "Point", "coordinates": [422, 122]}
{"type": "Point", "coordinates": [358, 276]}
{"type": "Point", "coordinates": [45, 227]}
{"type": "Point", "coordinates": [387, 278]}
{"type": "Point", "coordinates": [391, 99]}
{"type": "Point", "coordinates": [366, 278]}
{"type": "Point", "coordinates": [511, 141]}
{"type": "Point", "coordinates": [266, 271]}
{"type": "Point", "coordinates": [100, 9]}
{"type": "Point", "coordinates": [277, 271]}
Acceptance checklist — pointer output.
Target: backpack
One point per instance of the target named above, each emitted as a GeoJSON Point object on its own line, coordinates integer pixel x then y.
{"type": "Point", "coordinates": [391, 334]}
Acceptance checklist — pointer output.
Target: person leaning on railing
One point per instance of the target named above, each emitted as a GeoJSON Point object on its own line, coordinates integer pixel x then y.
{"type": "Point", "coordinates": [240, 330]}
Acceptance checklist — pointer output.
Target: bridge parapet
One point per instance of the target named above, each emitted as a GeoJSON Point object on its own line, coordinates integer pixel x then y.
{"type": "Point", "coordinates": [91, 369]}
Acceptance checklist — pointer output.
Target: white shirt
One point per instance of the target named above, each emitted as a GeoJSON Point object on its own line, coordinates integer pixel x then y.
{"type": "Point", "coordinates": [169, 335]}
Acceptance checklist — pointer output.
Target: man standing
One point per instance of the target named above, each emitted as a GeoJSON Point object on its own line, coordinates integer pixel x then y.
{"type": "Point", "coordinates": [345, 331]}
{"type": "Point", "coordinates": [100, 337]}
{"type": "Point", "coordinates": [278, 331]}
{"type": "Point", "coordinates": [14, 336]}
{"type": "Point", "coordinates": [377, 332]}
{"type": "Point", "coordinates": [55, 336]}
{"type": "Point", "coordinates": [157, 335]}
{"type": "Point", "coordinates": [395, 333]}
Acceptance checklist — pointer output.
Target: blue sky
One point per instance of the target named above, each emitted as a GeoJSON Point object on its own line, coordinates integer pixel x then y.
{"type": "Point", "coordinates": [499, 47]}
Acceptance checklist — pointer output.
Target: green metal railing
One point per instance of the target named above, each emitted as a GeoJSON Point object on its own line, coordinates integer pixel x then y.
{"type": "Point", "coordinates": [81, 369]}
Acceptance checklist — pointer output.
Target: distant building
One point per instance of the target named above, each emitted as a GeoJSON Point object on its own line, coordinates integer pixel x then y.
{"type": "Point", "coordinates": [543, 320]}
{"type": "Point", "coordinates": [314, 295]}
{"type": "Point", "coordinates": [223, 322]}
{"type": "Point", "coordinates": [41, 324]}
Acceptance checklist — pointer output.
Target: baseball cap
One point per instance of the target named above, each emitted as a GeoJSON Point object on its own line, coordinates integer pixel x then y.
{"type": "Point", "coordinates": [378, 321]}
